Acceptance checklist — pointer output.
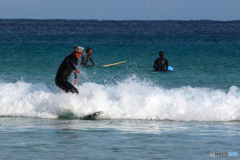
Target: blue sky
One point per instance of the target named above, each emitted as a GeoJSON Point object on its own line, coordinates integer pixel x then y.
{"type": "Point", "coordinates": [122, 9]}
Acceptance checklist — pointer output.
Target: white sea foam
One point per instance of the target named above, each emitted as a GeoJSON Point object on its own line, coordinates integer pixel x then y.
{"type": "Point", "coordinates": [127, 100]}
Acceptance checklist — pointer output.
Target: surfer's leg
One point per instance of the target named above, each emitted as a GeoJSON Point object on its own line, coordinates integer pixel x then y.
{"type": "Point", "coordinates": [66, 86]}
{"type": "Point", "coordinates": [70, 88]}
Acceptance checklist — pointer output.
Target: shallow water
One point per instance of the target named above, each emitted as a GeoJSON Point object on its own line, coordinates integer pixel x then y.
{"type": "Point", "coordinates": [28, 138]}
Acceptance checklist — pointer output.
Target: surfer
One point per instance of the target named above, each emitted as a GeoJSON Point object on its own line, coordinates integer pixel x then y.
{"type": "Point", "coordinates": [161, 63]}
{"type": "Point", "coordinates": [86, 57]}
{"type": "Point", "coordinates": [67, 66]}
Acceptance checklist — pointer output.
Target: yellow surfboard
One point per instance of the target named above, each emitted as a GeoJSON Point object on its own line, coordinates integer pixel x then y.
{"type": "Point", "coordinates": [108, 65]}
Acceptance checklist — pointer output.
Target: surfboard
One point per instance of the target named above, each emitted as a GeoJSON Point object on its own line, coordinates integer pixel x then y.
{"type": "Point", "coordinates": [170, 69]}
{"type": "Point", "coordinates": [91, 116]}
{"type": "Point", "coordinates": [108, 65]}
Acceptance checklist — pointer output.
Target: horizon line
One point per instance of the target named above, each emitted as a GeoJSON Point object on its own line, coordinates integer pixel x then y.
{"type": "Point", "coordinates": [111, 19]}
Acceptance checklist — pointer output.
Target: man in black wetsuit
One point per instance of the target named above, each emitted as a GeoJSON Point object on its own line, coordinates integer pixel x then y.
{"type": "Point", "coordinates": [86, 57]}
{"type": "Point", "coordinates": [68, 65]}
{"type": "Point", "coordinates": [161, 63]}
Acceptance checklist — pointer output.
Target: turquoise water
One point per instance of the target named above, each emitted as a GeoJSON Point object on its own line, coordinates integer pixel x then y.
{"type": "Point", "coordinates": [29, 138]}
{"type": "Point", "coordinates": [145, 115]}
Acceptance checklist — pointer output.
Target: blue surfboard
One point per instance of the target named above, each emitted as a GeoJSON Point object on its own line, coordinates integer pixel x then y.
{"type": "Point", "coordinates": [170, 69]}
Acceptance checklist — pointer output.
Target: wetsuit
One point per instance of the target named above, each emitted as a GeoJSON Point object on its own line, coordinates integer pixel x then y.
{"type": "Point", "coordinates": [85, 58]}
{"type": "Point", "coordinates": [63, 74]}
{"type": "Point", "coordinates": [160, 64]}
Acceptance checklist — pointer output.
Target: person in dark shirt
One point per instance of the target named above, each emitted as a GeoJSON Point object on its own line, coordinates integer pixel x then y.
{"type": "Point", "coordinates": [161, 63]}
{"type": "Point", "coordinates": [86, 57]}
{"type": "Point", "coordinates": [69, 65]}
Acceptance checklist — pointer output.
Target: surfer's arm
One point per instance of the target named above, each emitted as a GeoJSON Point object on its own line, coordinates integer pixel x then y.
{"type": "Point", "coordinates": [70, 64]}
{"type": "Point", "coordinates": [155, 65]}
{"type": "Point", "coordinates": [92, 61]}
{"type": "Point", "coordinates": [75, 76]}
{"type": "Point", "coordinates": [166, 64]}
{"type": "Point", "coordinates": [75, 73]}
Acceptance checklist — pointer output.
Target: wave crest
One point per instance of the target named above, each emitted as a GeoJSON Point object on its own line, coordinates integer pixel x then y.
{"type": "Point", "coordinates": [126, 100]}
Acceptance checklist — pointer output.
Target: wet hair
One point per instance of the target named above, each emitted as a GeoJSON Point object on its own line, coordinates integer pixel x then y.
{"type": "Point", "coordinates": [88, 49]}
{"type": "Point", "coordinates": [161, 53]}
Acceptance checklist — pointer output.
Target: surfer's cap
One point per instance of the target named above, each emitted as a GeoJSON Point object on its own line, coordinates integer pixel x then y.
{"type": "Point", "coordinates": [78, 49]}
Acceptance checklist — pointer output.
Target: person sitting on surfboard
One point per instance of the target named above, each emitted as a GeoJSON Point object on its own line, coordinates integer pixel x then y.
{"type": "Point", "coordinates": [86, 57]}
{"type": "Point", "coordinates": [161, 63]}
{"type": "Point", "coordinates": [68, 65]}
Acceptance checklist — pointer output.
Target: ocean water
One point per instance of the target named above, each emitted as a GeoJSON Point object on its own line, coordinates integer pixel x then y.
{"type": "Point", "coordinates": [184, 114]}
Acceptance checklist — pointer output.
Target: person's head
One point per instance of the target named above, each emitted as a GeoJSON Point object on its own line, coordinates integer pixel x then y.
{"type": "Point", "coordinates": [161, 54]}
{"type": "Point", "coordinates": [89, 50]}
{"type": "Point", "coordinates": [78, 51]}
